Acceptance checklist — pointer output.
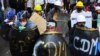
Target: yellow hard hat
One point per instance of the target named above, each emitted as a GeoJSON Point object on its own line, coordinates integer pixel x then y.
{"type": "Point", "coordinates": [38, 7]}
{"type": "Point", "coordinates": [79, 4]}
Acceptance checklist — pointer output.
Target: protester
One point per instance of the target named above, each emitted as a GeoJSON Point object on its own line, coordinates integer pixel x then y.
{"type": "Point", "coordinates": [29, 5]}
{"type": "Point", "coordinates": [7, 24]}
{"type": "Point", "coordinates": [23, 35]}
{"type": "Point", "coordinates": [79, 8]}
{"type": "Point", "coordinates": [55, 12]}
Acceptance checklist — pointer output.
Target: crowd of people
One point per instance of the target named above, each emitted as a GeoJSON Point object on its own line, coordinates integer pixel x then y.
{"type": "Point", "coordinates": [22, 33]}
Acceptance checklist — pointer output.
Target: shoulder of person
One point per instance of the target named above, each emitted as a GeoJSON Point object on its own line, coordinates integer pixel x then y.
{"type": "Point", "coordinates": [31, 25]}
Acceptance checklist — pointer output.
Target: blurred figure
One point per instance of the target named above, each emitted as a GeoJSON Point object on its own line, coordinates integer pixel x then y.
{"type": "Point", "coordinates": [97, 24]}
{"type": "Point", "coordinates": [55, 12]}
{"type": "Point", "coordinates": [18, 5]}
{"type": "Point", "coordinates": [29, 5]}
{"type": "Point", "coordinates": [1, 14]}
{"type": "Point", "coordinates": [72, 4]}
{"type": "Point", "coordinates": [66, 5]}
{"type": "Point", "coordinates": [7, 23]}
{"type": "Point", "coordinates": [49, 5]}
{"type": "Point", "coordinates": [79, 8]}
{"type": "Point", "coordinates": [59, 15]}
{"type": "Point", "coordinates": [23, 35]}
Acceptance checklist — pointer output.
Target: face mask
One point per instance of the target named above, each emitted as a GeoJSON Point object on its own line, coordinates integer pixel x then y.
{"type": "Point", "coordinates": [81, 24]}
{"type": "Point", "coordinates": [23, 23]}
{"type": "Point", "coordinates": [10, 23]}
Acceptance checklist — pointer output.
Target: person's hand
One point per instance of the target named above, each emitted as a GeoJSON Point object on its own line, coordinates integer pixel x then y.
{"type": "Point", "coordinates": [2, 8]}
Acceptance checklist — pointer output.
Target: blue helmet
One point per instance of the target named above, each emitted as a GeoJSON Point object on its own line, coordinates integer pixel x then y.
{"type": "Point", "coordinates": [23, 14]}
{"type": "Point", "coordinates": [10, 13]}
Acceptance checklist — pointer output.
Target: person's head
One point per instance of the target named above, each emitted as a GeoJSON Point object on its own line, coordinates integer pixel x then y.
{"type": "Point", "coordinates": [81, 20]}
{"type": "Point", "coordinates": [10, 17]}
{"type": "Point", "coordinates": [97, 9]}
{"type": "Point", "coordinates": [51, 25]}
{"type": "Point", "coordinates": [79, 6]}
{"type": "Point", "coordinates": [23, 17]}
{"type": "Point", "coordinates": [58, 5]}
{"type": "Point", "coordinates": [38, 8]}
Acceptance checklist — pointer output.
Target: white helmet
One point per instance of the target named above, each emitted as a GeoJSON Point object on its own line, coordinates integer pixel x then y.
{"type": "Point", "coordinates": [97, 8]}
{"type": "Point", "coordinates": [58, 3]}
{"type": "Point", "coordinates": [81, 18]}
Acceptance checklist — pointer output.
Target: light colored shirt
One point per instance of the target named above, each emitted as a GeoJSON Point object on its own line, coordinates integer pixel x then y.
{"type": "Point", "coordinates": [30, 3]}
{"type": "Point", "coordinates": [41, 2]}
{"type": "Point", "coordinates": [51, 1]}
{"type": "Point", "coordinates": [98, 1]}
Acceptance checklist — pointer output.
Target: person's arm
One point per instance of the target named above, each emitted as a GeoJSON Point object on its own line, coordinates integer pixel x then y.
{"type": "Point", "coordinates": [46, 2]}
{"type": "Point", "coordinates": [2, 3]}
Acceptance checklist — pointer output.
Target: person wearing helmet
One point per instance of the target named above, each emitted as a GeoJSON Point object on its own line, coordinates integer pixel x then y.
{"type": "Point", "coordinates": [7, 24]}
{"type": "Point", "coordinates": [79, 7]}
{"type": "Point", "coordinates": [23, 35]}
{"type": "Point", "coordinates": [53, 13]}
{"type": "Point", "coordinates": [59, 14]}
{"type": "Point", "coordinates": [78, 11]}
{"type": "Point", "coordinates": [38, 9]}
{"type": "Point", "coordinates": [81, 20]}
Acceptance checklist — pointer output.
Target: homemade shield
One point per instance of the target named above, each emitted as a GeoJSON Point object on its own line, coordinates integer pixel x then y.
{"type": "Point", "coordinates": [39, 21]}
{"type": "Point", "coordinates": [22, 42]}
{"type": "Point", "coordinates": [84, 41]}
{"type": "Point", "coordinates": [51, 44]}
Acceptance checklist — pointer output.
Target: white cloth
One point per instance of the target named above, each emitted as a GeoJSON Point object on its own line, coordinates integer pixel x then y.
{"type": "Point", "coordinates": [30, 3]}
{"type": "Point", "coordinates": [75, 11]}
{"type": "Point", "coordinates": [98, 1]}
{"type": "Point", "coordinates": [51, 1]}
{"type": "Point", "coordinates": [41, 2]}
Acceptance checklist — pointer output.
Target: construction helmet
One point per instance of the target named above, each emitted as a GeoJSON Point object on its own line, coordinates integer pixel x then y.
{"type": "Point", "coordinates": [81, 18]}
{"type": "Point", "coordinates": [10, 14]}
{"type": "Point", "coordinates": [79, 4]}
{"type": "Point", "coordinates": [38, 7]}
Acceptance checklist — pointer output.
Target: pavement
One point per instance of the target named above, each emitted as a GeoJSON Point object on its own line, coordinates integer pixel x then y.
{"type": "Point", "coordinates": [4, 48]}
